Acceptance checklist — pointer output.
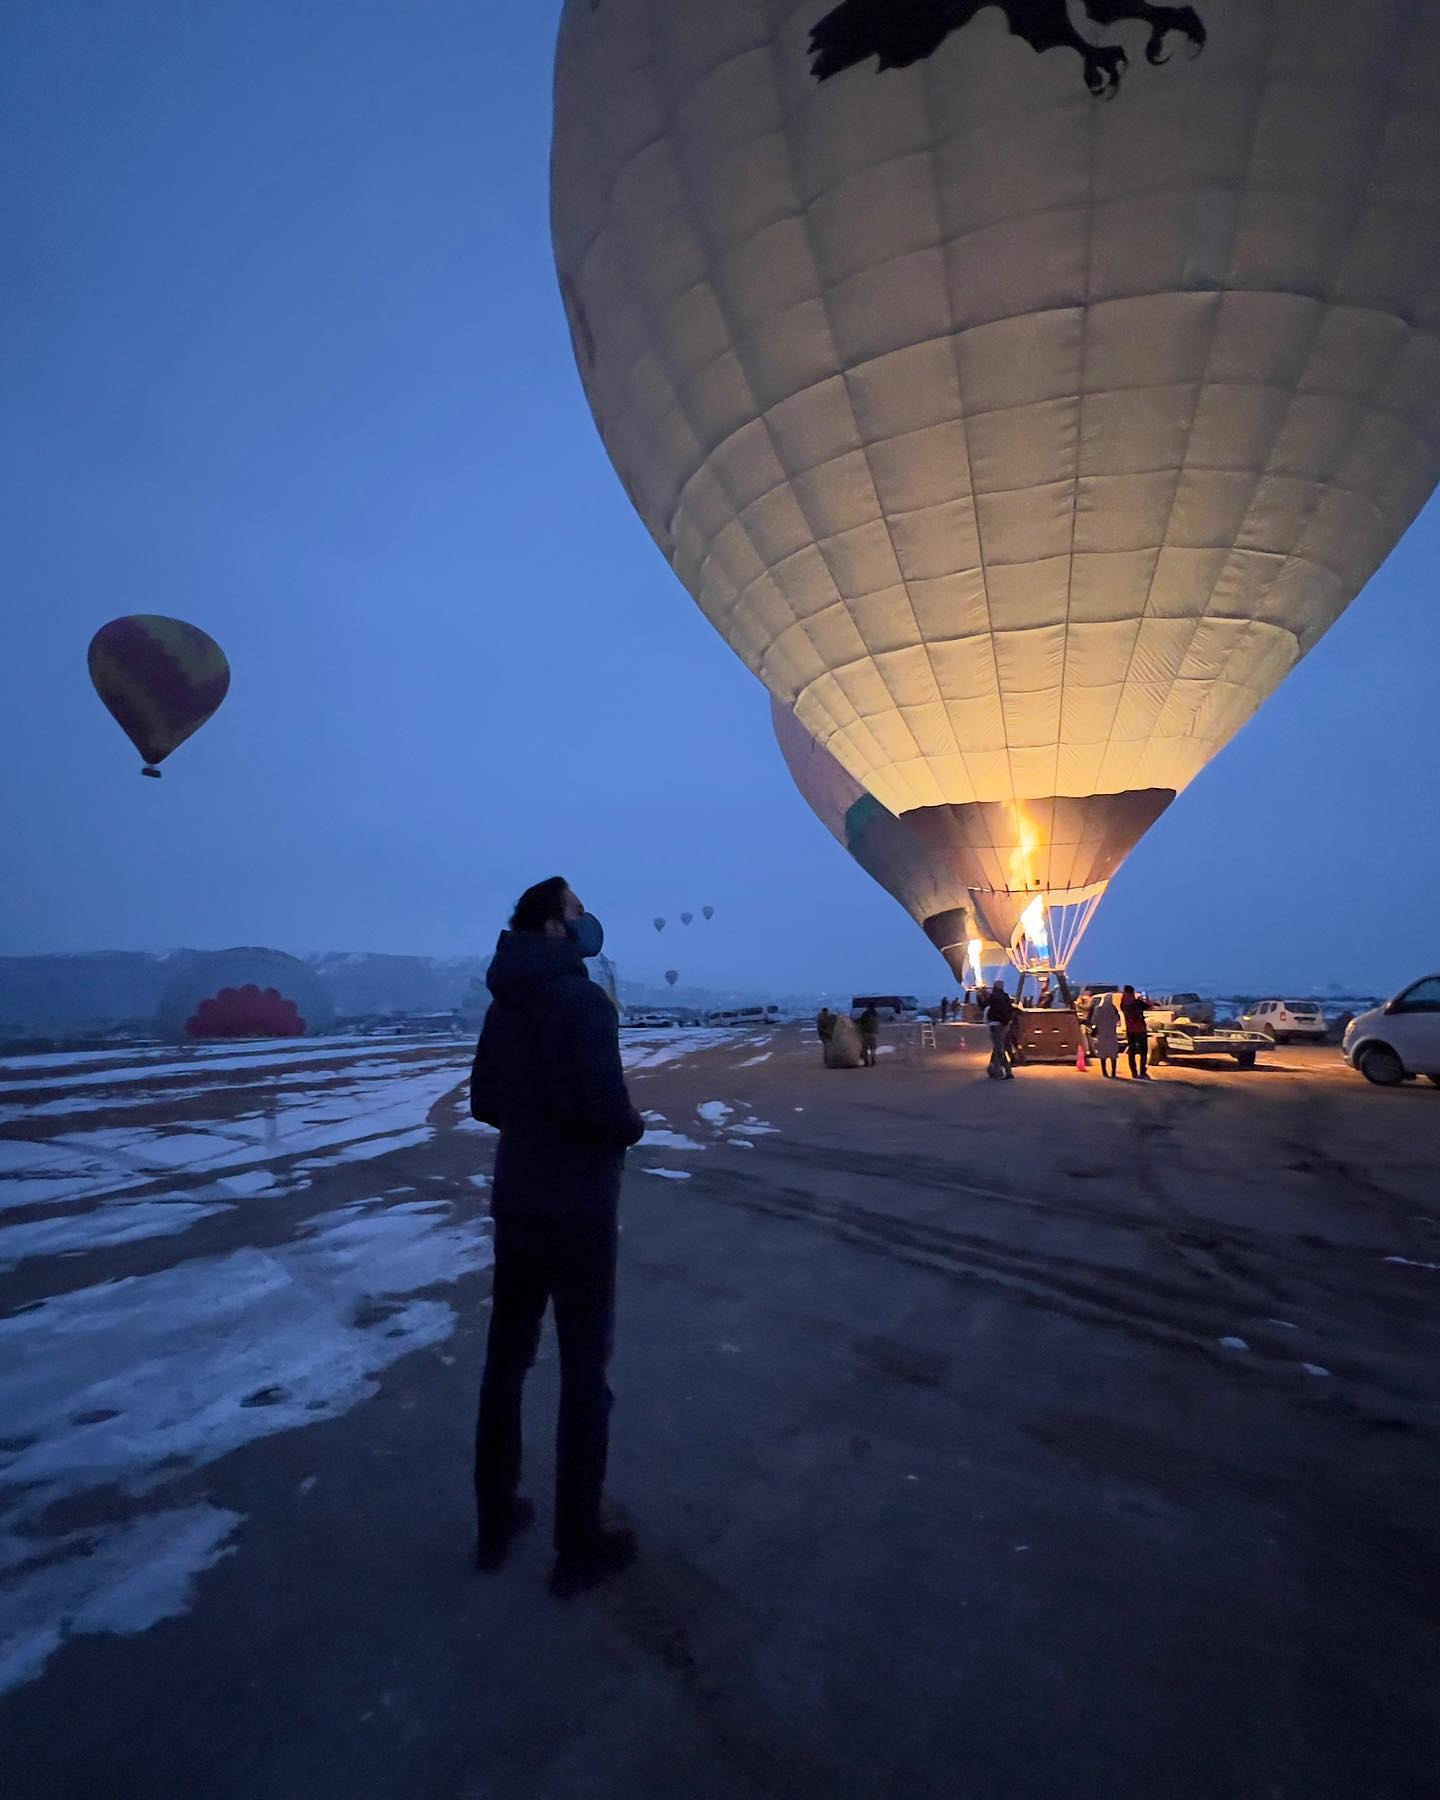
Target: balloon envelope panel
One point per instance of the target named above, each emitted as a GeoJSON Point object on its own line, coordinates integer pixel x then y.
{"type": "Point", "coordinates": [1020, 440]}
{"type": "Point", "coordinates": [925, 878]}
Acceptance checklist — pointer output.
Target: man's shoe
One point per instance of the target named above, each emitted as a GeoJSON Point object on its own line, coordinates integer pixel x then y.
{"type": "Point", "coordinates": [604, 1554]}
{"type": "Point", "coordinates": [492, 1545]}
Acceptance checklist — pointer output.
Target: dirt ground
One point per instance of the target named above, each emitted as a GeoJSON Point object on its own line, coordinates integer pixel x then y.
{"type": "Point", "coordinates": [1059, 1438]}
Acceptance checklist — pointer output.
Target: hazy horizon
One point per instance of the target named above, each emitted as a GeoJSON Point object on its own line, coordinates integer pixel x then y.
{"type": "Point", "coordinates": [285, 356]}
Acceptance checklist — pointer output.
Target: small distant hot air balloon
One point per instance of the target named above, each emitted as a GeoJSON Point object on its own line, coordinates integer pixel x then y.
{"type": "Point", "coordinates": [659, 924]}
{"type": "Point", "coordinates": [687, 918]}
{"type": "Point", "coordinates": [159, 678]}
{"type": "Point", "coordinates": [672, 976]}
{"type": "Point", "coordinates": [709, 911]}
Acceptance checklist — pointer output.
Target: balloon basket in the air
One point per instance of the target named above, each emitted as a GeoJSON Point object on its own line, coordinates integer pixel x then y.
{"type": "Point", "coordinates": [151, 771]}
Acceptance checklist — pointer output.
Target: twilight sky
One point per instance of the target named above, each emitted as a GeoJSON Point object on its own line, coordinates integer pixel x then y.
{"type": "Point", "coordinates": [281, 352]}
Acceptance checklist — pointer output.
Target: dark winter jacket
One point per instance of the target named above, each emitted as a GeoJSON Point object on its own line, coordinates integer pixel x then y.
{"type": "Point", "coordinates": [547, 1076]}
{"type": "Point", "coordinates": [999, 1008]}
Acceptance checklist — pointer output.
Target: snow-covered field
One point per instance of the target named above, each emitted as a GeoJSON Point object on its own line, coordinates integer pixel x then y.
{"type": "Point", "coordinates": [202, 1248]}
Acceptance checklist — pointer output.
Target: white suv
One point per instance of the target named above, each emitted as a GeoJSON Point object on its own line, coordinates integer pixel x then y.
{"type": "Point", "coordinates": [1285, 1019]}
{"type": "Point", "coordinates": [1391, 1043]}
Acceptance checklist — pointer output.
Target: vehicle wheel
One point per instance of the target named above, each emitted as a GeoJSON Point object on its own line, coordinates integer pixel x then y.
{"type": "Point", "coordinates": [1381, 1065]}
{"type": "Point", "coordinates": [1245, 1058]}
{"type": "Point", "coordinates": [1272, 1034]}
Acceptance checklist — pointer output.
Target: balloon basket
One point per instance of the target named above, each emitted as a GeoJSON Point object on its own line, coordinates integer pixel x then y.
{"type": "Point", "coordinates": [151, 771]}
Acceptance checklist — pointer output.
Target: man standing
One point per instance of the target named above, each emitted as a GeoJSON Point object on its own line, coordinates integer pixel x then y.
{"type": "Point", "coordinates": [547, 1075]}
{"type": "Point", "coordinates": [869, 1023]}
{"type": "Point", "coordinates": [999, 1016]}
{"type": "Point", "coordinates": [1137, 1034]}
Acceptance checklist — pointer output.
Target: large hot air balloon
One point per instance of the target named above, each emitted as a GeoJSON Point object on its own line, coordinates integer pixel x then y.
{"type": "Point", "coordinates": [160, 678]}
{"type": "Point", "coordinates": [671, 977]}
{"type": "Point", "coordinates": [708, 911]}
{"type": "Point", "coordinates": [659, 924]}
{"type": "Point", "coordinates": [1020, 419]}
{"type": "Point", "coordinates": [687, 918]}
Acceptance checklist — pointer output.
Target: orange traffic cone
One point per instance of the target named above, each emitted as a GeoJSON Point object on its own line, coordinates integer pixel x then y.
{"type": "Point", "coordinates": [1080, 1057]}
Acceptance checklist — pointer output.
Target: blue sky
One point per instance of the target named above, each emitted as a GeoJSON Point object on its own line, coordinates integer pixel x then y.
{"type": "Point", "coordinates": [282, 353]}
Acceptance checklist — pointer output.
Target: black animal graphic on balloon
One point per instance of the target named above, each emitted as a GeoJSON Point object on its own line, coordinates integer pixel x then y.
{"type": "Point", "coordinates": [901, 32]}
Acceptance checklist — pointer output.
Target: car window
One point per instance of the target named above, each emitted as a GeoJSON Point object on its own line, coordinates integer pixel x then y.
{"type": "Point", "coordinates": [1423, 997]}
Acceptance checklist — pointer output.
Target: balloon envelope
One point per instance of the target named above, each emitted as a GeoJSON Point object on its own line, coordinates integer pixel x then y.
{"type": "Point", "coordinates": [888, 849]}
{"type": "Point", "coordinates": [709, 911]}
{"type": "Point", "coordinates": [1020, 441]}
{"type": "Point", "coordinates": [160, 679]}
{"type": "Point", "coordinates": [687, 918]}
{"type": "Point", "coordinates": [672, 976]}
{"type": "Point", "coordinates": [245, 992]}
{"type": "Point", "coordinates": [659, 924]}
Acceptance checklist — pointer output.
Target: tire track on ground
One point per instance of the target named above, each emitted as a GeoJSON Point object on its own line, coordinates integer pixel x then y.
{"type": "Point", "coordinates": [1155, 1311]}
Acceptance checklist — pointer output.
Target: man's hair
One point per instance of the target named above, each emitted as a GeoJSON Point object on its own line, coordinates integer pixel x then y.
{"type": "Point", "coordinates": [538, 905]}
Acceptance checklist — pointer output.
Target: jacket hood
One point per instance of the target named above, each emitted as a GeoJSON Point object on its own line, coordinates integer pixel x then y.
{"type": "Point", "coordinates": [528, 959]}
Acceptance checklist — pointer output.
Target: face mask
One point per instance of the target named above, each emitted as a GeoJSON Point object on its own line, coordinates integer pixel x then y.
{"type": "Point", "coordinates": [586, 933]}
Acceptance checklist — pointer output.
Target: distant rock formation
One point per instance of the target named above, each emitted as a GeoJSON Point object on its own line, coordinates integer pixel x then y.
{"type": "Point", "coordinates": [363, 983]}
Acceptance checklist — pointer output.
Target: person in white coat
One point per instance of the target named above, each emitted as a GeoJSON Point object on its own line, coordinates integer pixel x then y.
{"type": "Point", "coordinates": [1105, 1023]}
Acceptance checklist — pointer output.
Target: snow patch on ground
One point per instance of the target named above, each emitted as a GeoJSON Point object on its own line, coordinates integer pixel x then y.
{"type": "Point", "coordinates": [351, 1123]}
{"type": "Point", "coordinates": [121, 1222]}
{"type": "Point", "coordinates": [117, 1579]}
{"type": "Point", "coordinates": [669, 1174]}
{"type": "Point", "coordinates": [752, 1127]}
{"type": "Point", "coordinates": [657, 1138]}
{"type": "Point", "coordinates": [248, 1183]}
{"type": "Point", "coordinates": [1233, 1343]}
{"type": "Point", "coordinates": [714, 1112]}
{"type": "Point", "coordinates": [649, 1050]}
{"type": "Point", "coordinates": [282, 1053]}
{"type": "Point", "coordinates": [105, 1382]}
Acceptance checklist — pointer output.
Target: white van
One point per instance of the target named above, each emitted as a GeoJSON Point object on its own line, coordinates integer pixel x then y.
{"type": "Point", "coordinates": [888, 1006]}
{"type": "Point", "coordinates": [1392, 1043]}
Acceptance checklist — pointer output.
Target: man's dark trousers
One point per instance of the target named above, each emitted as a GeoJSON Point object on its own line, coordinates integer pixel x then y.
{"type": "Point", "coordinates": [573, 1270]}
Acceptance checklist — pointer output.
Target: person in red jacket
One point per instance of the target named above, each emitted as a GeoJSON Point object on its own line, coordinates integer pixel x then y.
{"type": "Point", "coordinates": [1137, 1034]}
{"type": "Point", "coordinates": [548, 1077]}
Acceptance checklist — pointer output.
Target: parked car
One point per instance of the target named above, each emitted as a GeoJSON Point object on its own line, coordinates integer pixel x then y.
{"type": "Point", "coordinates": [1399, 1040]}
{"type": "Point", "coordinates": [1282, 1020]}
